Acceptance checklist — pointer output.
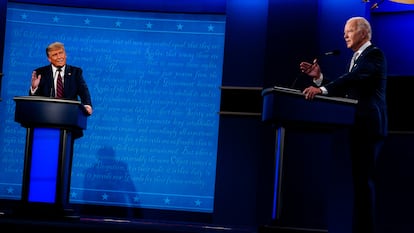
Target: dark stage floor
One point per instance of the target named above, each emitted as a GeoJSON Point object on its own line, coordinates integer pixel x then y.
{"type": "Point", "coordinates": [108, 225]}
{"type": "Point", "coordinates": [42, 219]}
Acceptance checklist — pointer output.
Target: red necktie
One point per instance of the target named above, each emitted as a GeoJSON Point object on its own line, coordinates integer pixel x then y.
{"type": "Point", "coordinates": [59, 85]}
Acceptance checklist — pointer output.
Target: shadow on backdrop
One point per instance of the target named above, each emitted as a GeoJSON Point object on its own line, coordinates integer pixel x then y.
{"type": "Point", "coordinates": [108, 184]}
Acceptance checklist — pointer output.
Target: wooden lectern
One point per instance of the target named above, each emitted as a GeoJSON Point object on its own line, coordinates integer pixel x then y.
{"type": "Point", "coordinates": [303, 137]}
{"type": "Point", "coordinates": [51, 125]}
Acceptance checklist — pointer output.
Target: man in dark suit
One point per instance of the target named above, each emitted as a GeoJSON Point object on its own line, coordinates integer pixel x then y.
{"type": "Point", "coordinates": [366, 82]}
{"type": "Point", "coordinates": [45, 79]}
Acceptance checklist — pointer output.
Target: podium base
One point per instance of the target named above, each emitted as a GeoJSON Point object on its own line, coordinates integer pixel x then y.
{"type": "Point", "coordinates": [40, 211]}
{"type": "Point", "coordinates": [278, 229]}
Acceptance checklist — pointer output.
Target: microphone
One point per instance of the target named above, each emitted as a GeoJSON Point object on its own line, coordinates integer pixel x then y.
{"type": "Point", "coordinates": [334, 52]}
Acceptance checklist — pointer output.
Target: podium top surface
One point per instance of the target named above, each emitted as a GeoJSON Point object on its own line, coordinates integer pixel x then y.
{"type": "Point", "coordinates": [286, 106]}
{"type": "Point", "coordinates": [45, 99]}
{"type": "Point", "coordinates": [299, 93]}
{"type": "Point", "coordinates": [37, 111]}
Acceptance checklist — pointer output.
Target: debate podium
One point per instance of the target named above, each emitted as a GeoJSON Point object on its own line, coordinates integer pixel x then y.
{"type": "Point", "coordinates": [310, 155]}
{"type": "Point", "coordinates": [51, 125]}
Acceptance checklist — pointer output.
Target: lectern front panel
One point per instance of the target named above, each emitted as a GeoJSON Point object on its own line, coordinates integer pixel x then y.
{"type": "Point", "coordinates": [44, 161]}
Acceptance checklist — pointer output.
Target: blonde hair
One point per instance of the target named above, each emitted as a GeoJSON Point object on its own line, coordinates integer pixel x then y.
{"type": "Point", "coordinates": [54, 46]}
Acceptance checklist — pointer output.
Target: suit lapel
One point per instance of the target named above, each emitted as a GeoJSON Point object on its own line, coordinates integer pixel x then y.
{"type": "Point", "coordinates": [68, 74]}
{"type": "Point", "coordinates": [361, 56]}
{"type": "Point", "coordinates": [363, 53]}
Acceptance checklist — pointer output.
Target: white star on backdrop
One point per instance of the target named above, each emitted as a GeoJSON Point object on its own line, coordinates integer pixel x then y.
{"type": "Point", "coordinates": [74, 195]}
{"type": "Point", "coordinates": [56, 19]}
{"type": "Point", "coordinates": [167, 201]}
{"type": "Point", "coordinates": [180, 27]}
{"type": "Point", "coordinates": [136, 199]}
{"type": "Point", "coordinates": [10, 190]}
{"type": "Point", "coordinates": [105, 197]}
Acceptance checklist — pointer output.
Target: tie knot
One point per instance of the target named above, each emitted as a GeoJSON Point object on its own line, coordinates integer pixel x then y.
{"type": "Point", "coordinates": [356, 54]}
{"type": "Point", "coordinates": [59, 69]}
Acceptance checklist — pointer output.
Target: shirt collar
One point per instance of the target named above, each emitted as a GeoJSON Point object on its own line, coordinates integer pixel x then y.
{"type": "Point", "coordinates": [54, 69]}
{"type": "Point", "coordinates": [363, 47]}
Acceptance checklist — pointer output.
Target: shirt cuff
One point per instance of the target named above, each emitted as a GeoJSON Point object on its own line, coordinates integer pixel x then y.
{"type": "Point", "coordinates": [319, 80]}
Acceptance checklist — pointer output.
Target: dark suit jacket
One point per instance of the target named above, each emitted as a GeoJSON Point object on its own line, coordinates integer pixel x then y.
{"type": "Point", "coordinates": [366, 82]}
{"type": "Point", "coordinates": [74, 84]}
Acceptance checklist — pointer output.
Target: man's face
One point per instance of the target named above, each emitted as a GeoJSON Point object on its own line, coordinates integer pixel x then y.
{"type": "Point", "coordinates": [57, 57]}
{"type": "Point", "coordinates": [354, 38]}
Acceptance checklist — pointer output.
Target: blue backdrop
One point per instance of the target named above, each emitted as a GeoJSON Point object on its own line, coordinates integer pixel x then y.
{"type": "Point", "coordinates": [154, 80]}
